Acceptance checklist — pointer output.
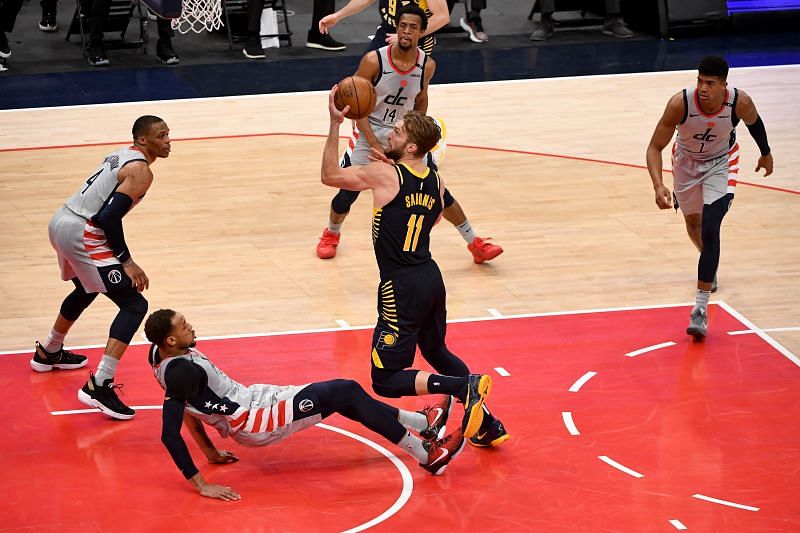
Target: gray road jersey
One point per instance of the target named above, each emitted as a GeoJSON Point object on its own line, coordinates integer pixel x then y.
{"type": "Point", "coordinates": [96, 191]}
{"type": "Point", "coordinates": [396, 90]}
{"type": "Point", "coordinates": [702, 136]}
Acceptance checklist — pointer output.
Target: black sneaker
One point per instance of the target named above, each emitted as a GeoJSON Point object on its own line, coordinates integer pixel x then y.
{"type": "Point", "coordinates": [105, 398]}
{"type": "Point", "coordinates": [253, 48]}
{"type": "Point", "coordinates": [442, 451]}
{"type": "Point", "coordinates": [165, 53]}
{"type": "Point", "coordinates": [437, 415]}
{"type": "Point", "coordinates": [478, 388]}
{"type": "Point", "coordinates": [48, 22]}
{"type": "Point", "coordinates": [324, 41]}
{"type": "Point", "coordinates": [494, 435]}
{"type": "Point", "coordinates": [44, 361]}
{"type": "Point", "coordinates": [97, 56]}
{"type": "Point", "coordinates": [5, 50]}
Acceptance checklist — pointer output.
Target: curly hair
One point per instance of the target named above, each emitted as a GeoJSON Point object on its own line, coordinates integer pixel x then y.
{"type": "Point", "coordinates": [158, 326]}
{"type": "Point", "coordinates": [713, 66]}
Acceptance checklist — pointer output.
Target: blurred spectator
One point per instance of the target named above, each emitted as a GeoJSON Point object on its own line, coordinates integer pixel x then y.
{"type": "Point", "coordinates": [8, 15]}
{"type": "Point", "coordinates": [252, 46]}
{"type": "Point", "coordinates": [98, 10]}
{"type": "Point", "coordinates": [317, 38]}
{"type": "Point", "coordinates": [612, 25]}
{"type": "Point", "coordinates": [472, 23]}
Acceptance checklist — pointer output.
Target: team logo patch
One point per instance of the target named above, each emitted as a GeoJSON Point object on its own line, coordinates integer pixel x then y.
{"type": "Point", "coordinates": [115, 276]}
{"type": "Point", "coordinates": [305, 405]}
{"type": "Point", "coordinates": [387, 339]}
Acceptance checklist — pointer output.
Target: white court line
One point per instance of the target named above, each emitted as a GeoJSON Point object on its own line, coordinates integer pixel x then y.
{"type": "Point", "coordinates": [342, 323]}
{"type": "Point", "coordinates": [405, 474]}
{"type": "Point", "coordinates": [649, 349]}
{"type": "Point", "coordinates": [84, 411]}
{"type": "Point", "coordinates": [494, 312]}
{"type": "Point", "coordinates": [769, 340]}
{"type": "Point", "coordinates": [371, 326]}
{"type": "Point", "coordinates": [582, 381]}
{"type": "Point", "coordinates": [724, 502]}
{"type": "Point", "coordinates": [571, 427]}
{"type": "Point", "coordinates": [678, 524]}
{"type": "Point", "coordinates": [606, 459]}
{"type": "Point", "coordinates": [502, 371]}
{"type": "Point", "coordinates": [748, 331]}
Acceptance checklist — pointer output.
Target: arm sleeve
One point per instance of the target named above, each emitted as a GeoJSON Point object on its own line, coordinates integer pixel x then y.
{"type": "Point", "coordinates": [759, 134]}
{"type": "Point", "coordinates": [184, 381]}
{"type": "Point", "coordinates": [109, 218]}
{"type": "Point", "coordinates": [172, 420]}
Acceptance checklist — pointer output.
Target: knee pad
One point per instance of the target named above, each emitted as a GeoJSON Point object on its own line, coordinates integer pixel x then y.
{"type": "Point", "coordinates": [710, 234]}
{"type": "Point", "coordinates": [132, 310]}
{"type": "Point", "coordinates": [448, 198]}
{"type": "Point", "coordinates": [445, 362]}
{"type": "Point", "coordinates": [76, 301]}
{"type": "Point", "coordinates": [343, 200]}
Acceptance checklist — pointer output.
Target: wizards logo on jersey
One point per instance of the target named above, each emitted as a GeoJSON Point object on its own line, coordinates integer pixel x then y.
{"type": "Point", "coordinates": [387, 340]}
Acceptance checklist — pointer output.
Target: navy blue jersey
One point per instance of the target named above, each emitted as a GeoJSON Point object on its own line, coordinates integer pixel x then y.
{"type": "Point", "coordinates": [401, 229]}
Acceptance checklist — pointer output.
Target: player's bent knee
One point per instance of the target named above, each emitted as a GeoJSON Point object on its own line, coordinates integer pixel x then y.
{"type": "Point", "coordinates": [76, 302]}
{"type": "Point", "coordinates": [343, 200]}
{"type": "Point", "coordinates": [132, 310]}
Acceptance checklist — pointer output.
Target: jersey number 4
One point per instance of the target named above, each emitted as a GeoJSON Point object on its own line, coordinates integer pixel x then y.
{"type": "Point", "coordinates": [91, 180]}
{"type": "Point", "coordinates": [412, 234]}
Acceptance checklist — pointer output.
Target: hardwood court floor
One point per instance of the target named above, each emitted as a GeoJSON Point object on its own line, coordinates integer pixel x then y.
{"type": "Point", "coordinates": [227, 232]}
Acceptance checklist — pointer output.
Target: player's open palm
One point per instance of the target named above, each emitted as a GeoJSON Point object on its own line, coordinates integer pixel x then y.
{"type": "Point", "coordinates": [220, 492]}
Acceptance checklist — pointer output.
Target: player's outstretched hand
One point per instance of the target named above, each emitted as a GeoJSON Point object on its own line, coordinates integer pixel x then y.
{"type": "Point", "coordinates": [391, 39]}
{"type": "Point", "coordinates": [223, 457]}
{"type": "Point", "coordinates": [378, 155]}
{"type": "Point", "coordinates": [663, 197]}
{"type": "Point", "coordinates": [220, 492]}
{"type": "Point", "coordinates": [337, 117]}
{"type": "Point", "coordinates": [765, 162]}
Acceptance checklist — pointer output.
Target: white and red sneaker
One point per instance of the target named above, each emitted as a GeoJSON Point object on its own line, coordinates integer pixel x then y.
{"type": "Point", "coordinates": [442, 451]}
{"type": "Point", "coordinates": [437, 415]}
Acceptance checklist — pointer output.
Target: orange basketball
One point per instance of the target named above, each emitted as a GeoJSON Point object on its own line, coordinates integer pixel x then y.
{"type": "Point", "coordinates": [358, 93]}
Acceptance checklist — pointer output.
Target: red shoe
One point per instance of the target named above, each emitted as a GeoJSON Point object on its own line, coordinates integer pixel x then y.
{"type": "Point", "coordinates": [442, 451]}
{"type": "Point", "coordinates": [326, 249]}
{"type": "Point", "coordinates": [437, 415]}
{"type": "Point", "coordinates": [482, 250]}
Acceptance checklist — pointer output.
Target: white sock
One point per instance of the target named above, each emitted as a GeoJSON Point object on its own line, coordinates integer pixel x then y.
{"type": "Point", "coordinates": [701, 300]}
{"type": "Point", "coordinates": [105, 369]}
{"type": "Point", "coordinates": [54, 341]}
{"type": "Point", "coordinates": [413, 446]}
{"type": "Point", "coordinates": [466, 231]}
{"type": "Point", "coordinates": [412, 420]}
{"type": "Point", "coordinates": [335, 228]}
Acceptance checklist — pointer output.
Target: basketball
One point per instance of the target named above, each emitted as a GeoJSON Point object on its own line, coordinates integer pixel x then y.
{"type": "Point", "coordinates": [359, 94]}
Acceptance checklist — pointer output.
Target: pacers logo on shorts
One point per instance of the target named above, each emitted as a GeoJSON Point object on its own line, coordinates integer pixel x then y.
{"type": "Point", "coordinates": [387, 340]}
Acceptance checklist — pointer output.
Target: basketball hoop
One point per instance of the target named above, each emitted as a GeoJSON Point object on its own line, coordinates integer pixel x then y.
{"type": "Point", "coordinates": [198, 16]}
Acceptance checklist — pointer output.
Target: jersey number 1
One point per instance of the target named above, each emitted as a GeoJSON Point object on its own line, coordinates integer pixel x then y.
{"type": "Point", "coordinates": [412, 235]}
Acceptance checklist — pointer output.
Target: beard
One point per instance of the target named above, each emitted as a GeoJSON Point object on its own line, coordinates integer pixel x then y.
{"type": "Point", "coordinates": [403, 47]}
{"type": "Point", "coordinates": [394, 153]}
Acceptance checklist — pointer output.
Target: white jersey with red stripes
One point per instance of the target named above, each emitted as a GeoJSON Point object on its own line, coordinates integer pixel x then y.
{"type": "Point", "coordinates": [706, 136]}
{"type": "Point", "coordinates": [95, 192]}
{"type": "Point", "coordinates": [396, 90]}
{"type": "Point", "coordinates": [254, 415]}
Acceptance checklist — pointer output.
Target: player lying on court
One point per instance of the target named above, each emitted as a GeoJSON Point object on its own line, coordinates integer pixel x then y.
{"type": "Point", "coordinates": [408, 200]}
{"type": "Point", "coordinates": [197, 393]}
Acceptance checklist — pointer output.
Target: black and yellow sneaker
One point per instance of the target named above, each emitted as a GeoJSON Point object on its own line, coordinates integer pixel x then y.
{"type": "Point", "coordinates": [44, 361]}
{"type": "Point", "coordinates": [104, 397]}
{"type": "Point", "coordinates": [478, 388]}
{"type": "Point", "coordinates": [494, 435]}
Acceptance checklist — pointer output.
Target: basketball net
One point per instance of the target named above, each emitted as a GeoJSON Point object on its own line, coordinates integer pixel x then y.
{"type": "Point", "coordinates": [198, 16]}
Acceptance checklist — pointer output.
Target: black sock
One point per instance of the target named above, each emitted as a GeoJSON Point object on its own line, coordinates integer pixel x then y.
{"type": "Point", "coordinates": [448, 385]}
